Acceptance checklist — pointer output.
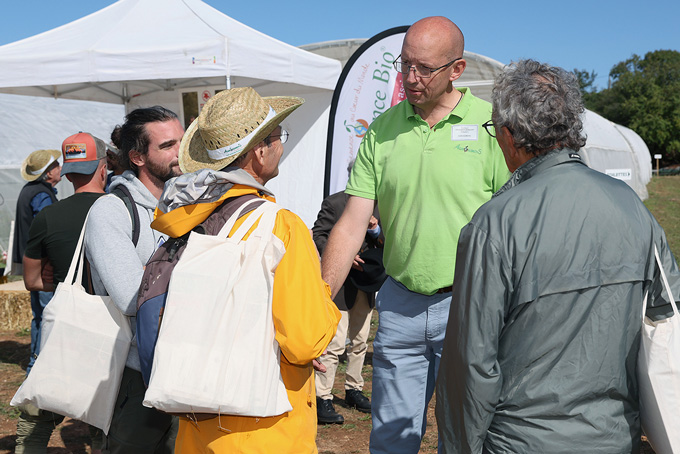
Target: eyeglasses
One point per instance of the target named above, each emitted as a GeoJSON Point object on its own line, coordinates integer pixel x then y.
{"type": "Point", "coordinates": [421, 71]}
{"type": "Point", "coordinates": [490, 128]}
{"type": "Point", "coordinates": [272, 137]}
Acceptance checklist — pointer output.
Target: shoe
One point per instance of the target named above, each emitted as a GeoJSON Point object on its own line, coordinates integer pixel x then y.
{"type": "Point", "coordinates": [356, 399]}
{"type": "Point", "coordinates": [325, 412]}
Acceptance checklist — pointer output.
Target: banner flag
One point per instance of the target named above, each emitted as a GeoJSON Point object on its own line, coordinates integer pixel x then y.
{"type": "Point", "coordinates": [367, 87]}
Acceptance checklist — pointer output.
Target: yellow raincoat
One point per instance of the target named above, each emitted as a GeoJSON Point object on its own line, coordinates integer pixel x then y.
{"type": "Point", "coordinates": [305, 319]}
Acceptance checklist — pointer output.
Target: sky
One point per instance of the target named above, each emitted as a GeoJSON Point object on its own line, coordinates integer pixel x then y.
{"type": "Point", "coordinates": [590, 35]}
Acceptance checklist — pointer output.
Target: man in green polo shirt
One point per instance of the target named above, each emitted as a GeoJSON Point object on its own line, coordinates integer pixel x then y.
{"type": "Point", "coordinates": [428, 165]}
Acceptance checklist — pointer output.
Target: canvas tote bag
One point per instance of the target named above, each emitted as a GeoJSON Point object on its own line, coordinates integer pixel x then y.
{"type": "Point", "coordinates": [216, 350]}
{"type": "Point", "coordinates": [84, 345]}
{"type": "Point", "coordinates": [659, 376]}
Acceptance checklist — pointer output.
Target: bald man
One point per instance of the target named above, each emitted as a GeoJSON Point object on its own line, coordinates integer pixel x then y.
{"type": "Point", "coordinates": [428, 165]}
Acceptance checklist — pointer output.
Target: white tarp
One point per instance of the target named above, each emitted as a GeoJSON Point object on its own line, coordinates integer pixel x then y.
{"type": "Point", "coordinates": [618, 152]}
{"type": "Point", "coordinates": [145, 52]}
{"type": "Point", "coordinates": [29, 123]}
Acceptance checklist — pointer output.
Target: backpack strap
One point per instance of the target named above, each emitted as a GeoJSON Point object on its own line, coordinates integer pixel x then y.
{"type": "Point", "coordinates": [244, 207]}
{"type": "Point", "coordinates": [124, 194]}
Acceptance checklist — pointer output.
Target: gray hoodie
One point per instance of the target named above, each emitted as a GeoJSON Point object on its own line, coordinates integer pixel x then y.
{"type": "Point", "coordinates": [117, 266]}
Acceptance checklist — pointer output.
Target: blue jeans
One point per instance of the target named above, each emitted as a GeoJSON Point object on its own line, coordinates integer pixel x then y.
{"type": "Point", "coordinates": [38, 302]}
{"type": "Point", "coordinates": [406, 354]}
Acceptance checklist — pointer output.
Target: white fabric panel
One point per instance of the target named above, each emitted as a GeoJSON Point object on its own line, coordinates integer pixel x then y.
{"type": "Point", "coordinates": [31, 123]}
{"type": "Point", "coordinates": [299, 186]}
{"type": "Point", "coordinates": [644, 157]}
{"type": "Point", "coordinates": [607, 150]}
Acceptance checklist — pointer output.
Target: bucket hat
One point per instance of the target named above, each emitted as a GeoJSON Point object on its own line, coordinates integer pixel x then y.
{"type": "Point", "coordinates": [231, 123]}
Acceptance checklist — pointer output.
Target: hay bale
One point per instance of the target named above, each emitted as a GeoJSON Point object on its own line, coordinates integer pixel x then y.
{"type": "Point", "coordinates": [15, 310]}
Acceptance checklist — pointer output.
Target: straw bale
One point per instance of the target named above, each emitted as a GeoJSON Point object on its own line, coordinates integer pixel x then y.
{"type": "Point", "coordinates": [15, 310]}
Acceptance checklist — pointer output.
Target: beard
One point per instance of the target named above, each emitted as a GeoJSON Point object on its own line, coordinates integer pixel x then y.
{"type": "Point", "coordinates": [163, 172]}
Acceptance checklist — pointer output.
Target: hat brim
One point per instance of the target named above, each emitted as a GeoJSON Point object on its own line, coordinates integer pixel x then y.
{"type": "Point", "coordinates": [193, 155]}
{"type": "Point", "coordinates": [83, 167]}
{"type": "Point", "coordinates": [56, 154]}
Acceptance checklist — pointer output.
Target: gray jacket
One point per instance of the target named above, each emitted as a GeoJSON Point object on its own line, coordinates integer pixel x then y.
{"type": "Point", "coordinates": [544, 329]}
{"type": "Point", "coordinates": [117, 266]}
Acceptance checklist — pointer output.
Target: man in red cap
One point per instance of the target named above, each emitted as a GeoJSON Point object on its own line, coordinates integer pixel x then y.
{"type": "Point", "coordinates": [52, 241]}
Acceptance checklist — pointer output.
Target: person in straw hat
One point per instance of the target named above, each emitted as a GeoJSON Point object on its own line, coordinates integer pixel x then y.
{"type": "Point", "coordinates": [41, 170]}
{"type": "Point", "coordinates": [228, 154]}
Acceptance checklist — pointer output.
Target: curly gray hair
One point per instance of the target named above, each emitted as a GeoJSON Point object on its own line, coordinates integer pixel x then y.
{"type": "Point", "coordinates": [541, 105]}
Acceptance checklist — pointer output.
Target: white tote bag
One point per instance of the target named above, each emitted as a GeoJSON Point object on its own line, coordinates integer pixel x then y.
{"type": "Point", "coordinates": [659, 377]}
{"type": "Point", "coordinates": [84, 345]}
{"type": "Point", "coordinates": [216, 350]}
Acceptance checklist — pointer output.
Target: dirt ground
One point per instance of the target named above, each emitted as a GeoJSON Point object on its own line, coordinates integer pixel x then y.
{"type": "Point", "coordinates": [72, 436]}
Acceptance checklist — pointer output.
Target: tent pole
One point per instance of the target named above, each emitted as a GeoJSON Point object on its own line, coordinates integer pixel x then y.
{"type": "Point", "coordinates": [228, 81]}
{"type": "Point", "coordinates": [125, 98]}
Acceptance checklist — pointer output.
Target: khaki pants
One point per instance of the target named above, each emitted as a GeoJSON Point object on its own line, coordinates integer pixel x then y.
{"type": "Point", "coordinates": [355, 325]}
{"type": "Point", "coordinates": [34, 430]}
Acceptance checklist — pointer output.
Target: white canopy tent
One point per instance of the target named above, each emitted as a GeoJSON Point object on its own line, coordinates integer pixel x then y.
{"type": "Point", "coordinates": [178, 53]}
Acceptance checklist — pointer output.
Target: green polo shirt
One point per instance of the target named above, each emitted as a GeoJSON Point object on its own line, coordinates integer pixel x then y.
{"type": "Point", "coordinates": [428, 183]}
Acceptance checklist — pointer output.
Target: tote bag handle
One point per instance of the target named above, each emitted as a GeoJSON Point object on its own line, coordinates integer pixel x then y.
{"type": "Point", "coordinates": [78, 259]}
{"type": "Point", "coordinates": [665, 284]}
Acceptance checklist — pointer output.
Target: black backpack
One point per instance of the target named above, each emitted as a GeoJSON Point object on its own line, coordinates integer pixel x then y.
{"type": "Point", "coordinates": [124, 194]}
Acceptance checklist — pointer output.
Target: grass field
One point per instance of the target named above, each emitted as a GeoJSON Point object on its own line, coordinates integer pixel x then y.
{"type": "Point", "coordinates": [664, 203]}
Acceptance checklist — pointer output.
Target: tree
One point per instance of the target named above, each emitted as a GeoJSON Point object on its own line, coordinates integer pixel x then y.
{"type": "Point", "coordinates": [586, 80]}
{"type": "Point", "coordinates": [645, 96]}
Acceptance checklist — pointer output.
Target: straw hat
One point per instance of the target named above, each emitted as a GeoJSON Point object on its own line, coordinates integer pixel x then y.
{"type": "Point", "coordinates": [231, 123]}
{"type": "Point", "coordinates": [37, 162]}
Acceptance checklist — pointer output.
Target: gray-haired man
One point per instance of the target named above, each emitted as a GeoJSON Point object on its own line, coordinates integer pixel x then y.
{"type": "Point", "coordinates": [541, 345]}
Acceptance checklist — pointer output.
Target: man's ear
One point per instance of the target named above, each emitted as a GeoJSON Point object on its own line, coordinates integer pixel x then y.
{"type": "Point", "coordinates": [136, 158]}
{"type": "Point", "coordinates": [506, 136]}
{"type": "Point", "coordinates": [258, 152]}
{"type": "Point", "coordinates": [458, 68]}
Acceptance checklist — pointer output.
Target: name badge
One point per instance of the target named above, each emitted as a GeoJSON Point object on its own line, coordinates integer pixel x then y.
{"type": "Point", "coordinates": [465, 132]}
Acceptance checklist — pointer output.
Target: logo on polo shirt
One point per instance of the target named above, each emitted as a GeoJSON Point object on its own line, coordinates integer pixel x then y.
{"type": "Point", "coordinates": [467, 149]}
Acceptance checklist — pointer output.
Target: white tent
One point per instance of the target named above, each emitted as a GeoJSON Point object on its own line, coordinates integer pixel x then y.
{"type": "Point", "coordinates": [178, 53]}
{"type": "Point", "coordinates": [617, 151]}
{"type": "Point", "coordinates": [29, 123]}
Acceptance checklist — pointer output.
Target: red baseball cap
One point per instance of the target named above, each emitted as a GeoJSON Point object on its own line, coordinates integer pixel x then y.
{"type": "Point", "coordinates": [82, 153]}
